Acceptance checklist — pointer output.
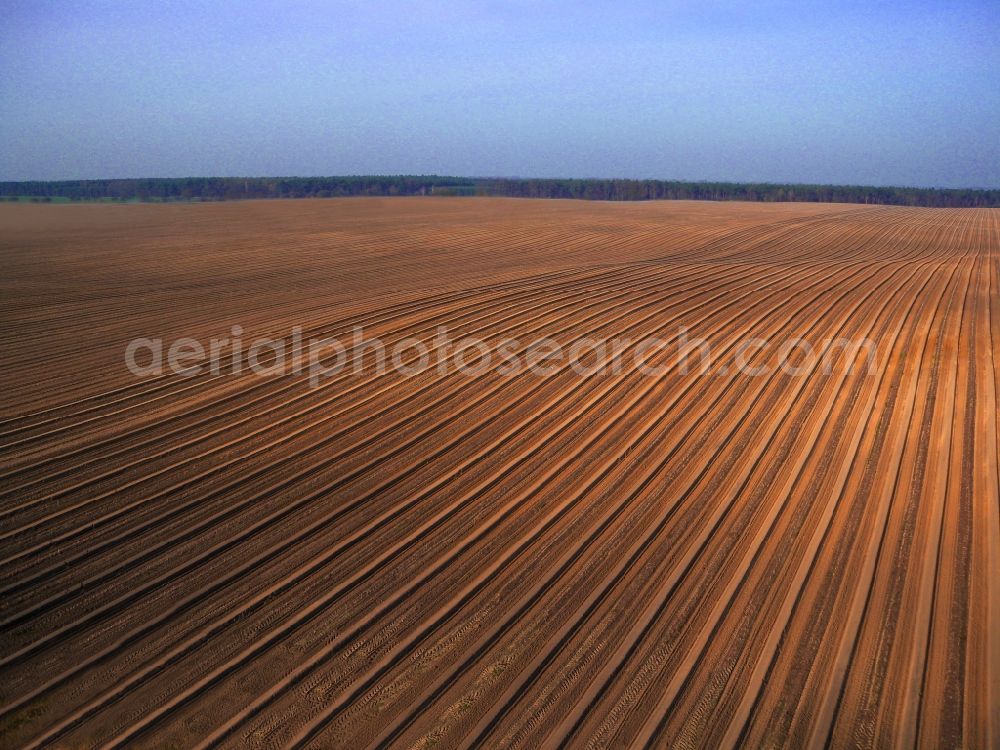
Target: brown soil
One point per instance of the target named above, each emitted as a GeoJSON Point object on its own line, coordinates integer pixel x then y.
{"type": "Point", "coordinates": [685, 560]}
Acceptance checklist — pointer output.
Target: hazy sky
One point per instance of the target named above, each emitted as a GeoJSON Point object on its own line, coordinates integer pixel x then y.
{"type": "Point", "coordinates": [904, 92]}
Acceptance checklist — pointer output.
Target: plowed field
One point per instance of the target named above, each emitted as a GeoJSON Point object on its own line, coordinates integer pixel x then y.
{"type": "Point", "coordinates": [692, 558]}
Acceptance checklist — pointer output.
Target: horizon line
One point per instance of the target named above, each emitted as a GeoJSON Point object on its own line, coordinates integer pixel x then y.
{"type": "Point", "coordinates": [373, 175]}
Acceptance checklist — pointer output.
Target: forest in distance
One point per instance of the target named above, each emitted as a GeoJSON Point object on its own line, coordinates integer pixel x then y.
{"type": "Point", "coordinates": [245, 188]}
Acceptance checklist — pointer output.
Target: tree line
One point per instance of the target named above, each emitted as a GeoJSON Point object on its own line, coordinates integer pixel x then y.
{"type": "Point", "coordinates": [241, 188]}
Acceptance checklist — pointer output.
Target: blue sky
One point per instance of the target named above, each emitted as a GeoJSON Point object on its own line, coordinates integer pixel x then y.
{"type": "Point", "coordinates": [875, 93]}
